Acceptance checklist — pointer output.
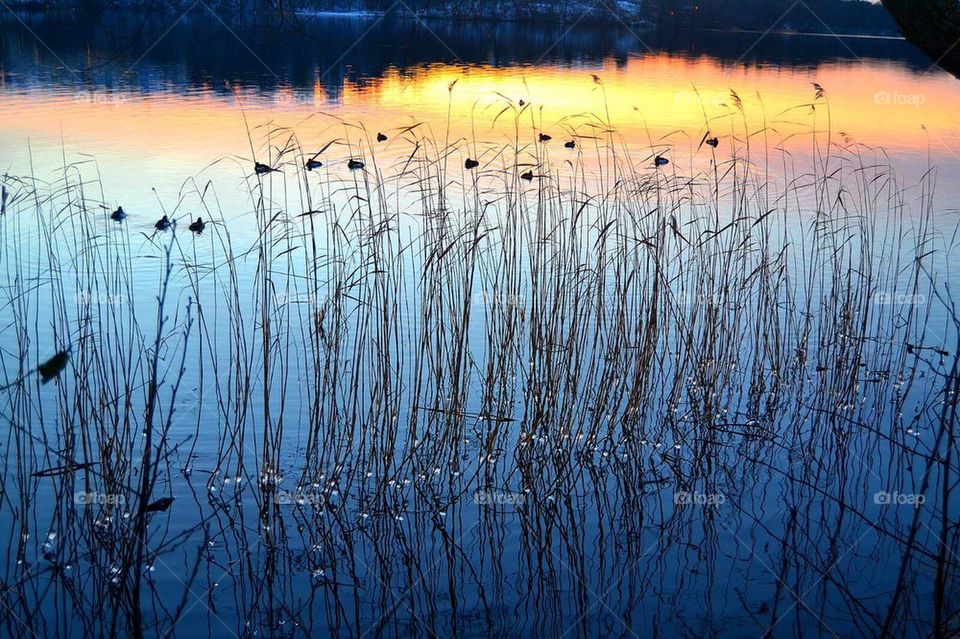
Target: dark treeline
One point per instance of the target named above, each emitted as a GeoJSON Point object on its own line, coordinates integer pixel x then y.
{"type": "Point", "coordinates": [812, 16]}
{"type": "Point", "coordinates": [840, 16]}
{"type": "Point", "coordinates": [200, 51]}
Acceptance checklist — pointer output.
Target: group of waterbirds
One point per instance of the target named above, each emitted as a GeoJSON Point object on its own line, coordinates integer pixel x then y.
{"type": "Point", "coordinates": [259, 168]}
{"type": "Point", "coordinates": [658, 160]}
{"type": "Point", "coordinates": [546, 137]}
{"type": "Point", "coordinates": [713, 142]}
{"type": "Point", "coordinates": [543, 137]}
{"type": "Point", "coordinates": [163, 223]}
{"type": "Point", "coordinates": [470, 163]}
{"type": "Point", "coordinates": [313, 163]}
{"type": "Point", "coordinates": [353, 164]}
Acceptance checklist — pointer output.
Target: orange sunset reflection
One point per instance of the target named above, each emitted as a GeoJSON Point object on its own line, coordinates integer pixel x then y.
{"type": "Point", "coordinates": [648, 97]}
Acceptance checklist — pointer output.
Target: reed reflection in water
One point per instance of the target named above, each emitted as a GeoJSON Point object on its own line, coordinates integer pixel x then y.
{"type": "Point", "coordinates": [426, 400]}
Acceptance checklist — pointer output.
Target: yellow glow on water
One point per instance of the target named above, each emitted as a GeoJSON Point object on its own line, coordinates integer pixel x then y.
{"type": "Point", "coordinates": [879, 104]}
{"type": "Point", "coordinates": [646, 97]}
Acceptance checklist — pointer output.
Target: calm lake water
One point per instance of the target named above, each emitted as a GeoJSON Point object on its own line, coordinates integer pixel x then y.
{"type": "Point", "coordinates": [715, 397]}
{"type": "Point", "coordinates": [158, 105]}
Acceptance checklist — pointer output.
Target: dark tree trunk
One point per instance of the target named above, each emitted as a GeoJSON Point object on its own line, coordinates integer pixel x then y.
{"type": "Point", "coordinates": [933, 26]}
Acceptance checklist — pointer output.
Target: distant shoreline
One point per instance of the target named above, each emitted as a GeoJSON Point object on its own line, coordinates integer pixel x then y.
{"type": "Point", "coordinates": [807, 34]}
{"type": "Point", "coordinates": [628, 16]}
{"type": "Point", "coordinates": [639, 24]}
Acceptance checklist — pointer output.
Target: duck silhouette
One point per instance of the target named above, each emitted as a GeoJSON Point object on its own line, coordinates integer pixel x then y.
{"type": "Point", "coordinates": [714, 142]}
{"type": "Point", "coordinates": [119, 215]}
{"type": "Point", "coordinates": [260, 168]}
{"type": "Point", "coordinates": [312, 164]}
{"type": "Point", "coordinates": [198, 226]}
{"type": "Point", "coordinates": [544, 137]}
{"type": "Point", "coordinates": [522, 103]}
{"type": "Point", "coordinates": [471, 164]}
{"type": "Point", "coordinates": [159, 506]}
{"type": "Point", "coordinates": [54, 366]}
{"type": "Point", "coordinates": [353, 165]}
{"type": "Point", "coordinates": [162, 224]}
{"type": "Point", "coordinates": [660, 161]}
{"type": "Point", "coordinates": [528, 176]}
{"type": "Point", "coordinates": [381, 137]}
{"type": "Point", "coordinates": [570, 145]}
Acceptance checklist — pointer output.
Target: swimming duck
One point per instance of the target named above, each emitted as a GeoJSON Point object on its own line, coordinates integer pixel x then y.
{"type": "Point", "coordinates": [545, 138]}
{"type": "Point", "coordinates": [198, 226]}
{"type": "Point", "coordinates": [353, 165]}
{"type": "Point", "coordinates": [660, 161]}
{"type": "Point", "coordinates": [714, 142]}
{"type": "Point", "coordinates": [162, 224]}
{"type": "Point", "coordinates": [381, 137]}
{"type": "Point", "coordinates": [54, 366]}
{"type": "Point", "coordinates": [528, 176]}
{"type": "Point", "coordinates": [119, 215]}
{"type": "Point", "coordinates": [570, 145]}
{"type": "Point", "coordinates": [159, 506]}
{"type": "Point", "coordinates": [471, 164]}
{"type": "Point", "coordinates": [260, 168]}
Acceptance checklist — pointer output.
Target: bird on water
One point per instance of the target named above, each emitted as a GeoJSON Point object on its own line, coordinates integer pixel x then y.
{"type": "Point", "coordinates": [471, 164]}
{"type": "Point", "coordinates": [260, 168]}
{"type": "Point", "coordinates": [159, 506]}
{"type": "Point", "coordinates": [54, 366]}
{"type": "Point", "coordinates": [353, 165]}
{"type": "Point", "coordinates": [48, 369]}
{"type": "Point", "coordinates": [162, 224]}
{"type": "Point", "coordinates": [119, 215]}
{"type": "Point", "coordinates": [710, 141]}
{"type": "Point", "coordinates": [198, 226]}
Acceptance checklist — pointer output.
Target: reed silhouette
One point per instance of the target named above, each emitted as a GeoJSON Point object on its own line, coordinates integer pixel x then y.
{"type": "Point", "coordinates": [615, 401]}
